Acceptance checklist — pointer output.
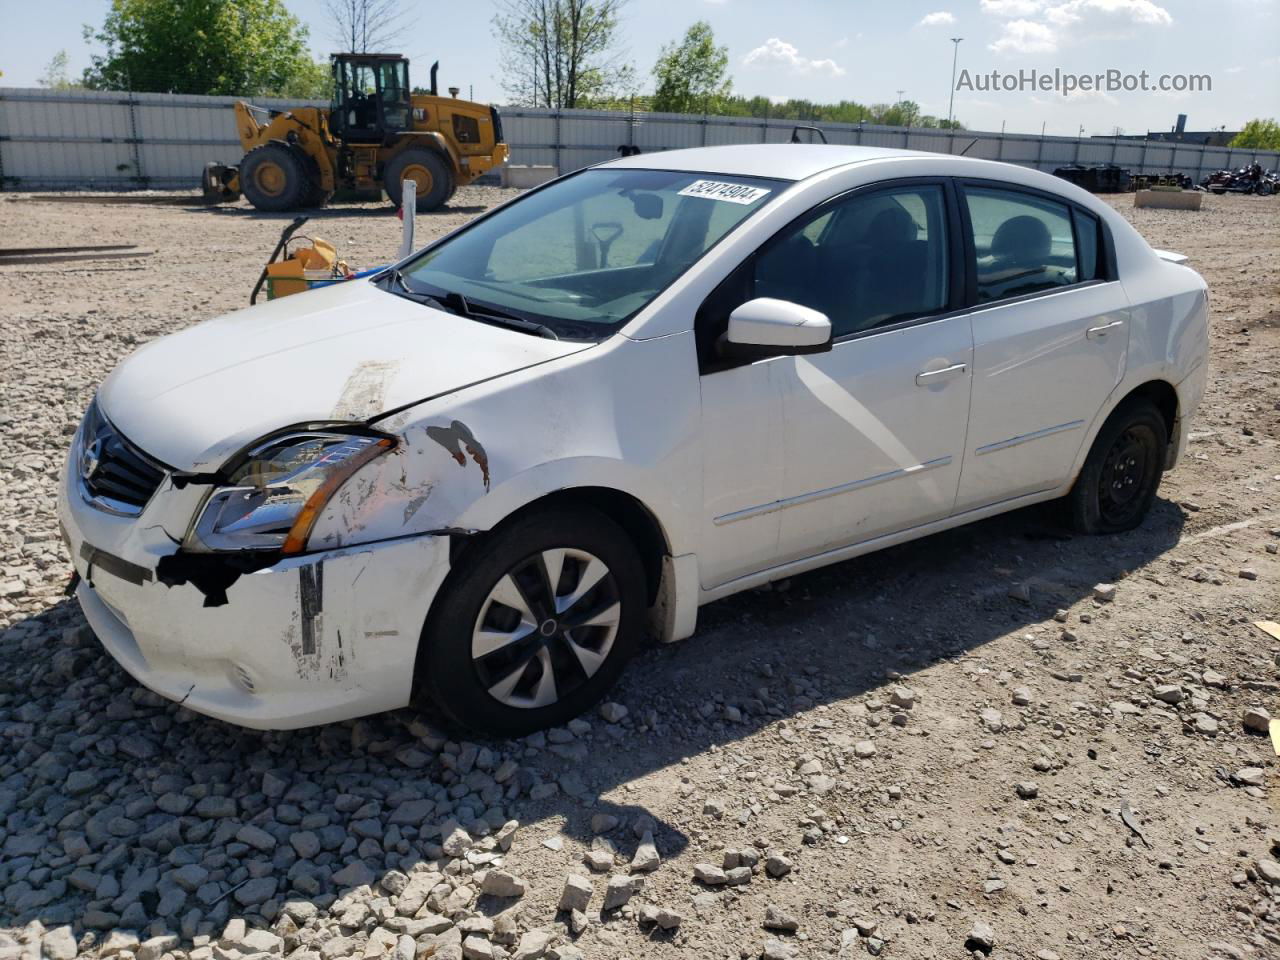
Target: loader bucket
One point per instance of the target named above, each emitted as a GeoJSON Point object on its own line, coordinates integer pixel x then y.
{"type": "Point", "coordinates": [221, 183]}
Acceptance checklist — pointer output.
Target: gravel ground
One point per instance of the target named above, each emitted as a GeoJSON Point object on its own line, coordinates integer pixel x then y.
{"type": "Point", "coordinates": [1001, 739]}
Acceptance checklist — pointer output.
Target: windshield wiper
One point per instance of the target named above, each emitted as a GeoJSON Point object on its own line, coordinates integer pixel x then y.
{"type": "Point", "coordinates": [487, 313]}
{"type": "Point", "coordinates": [454, 302]}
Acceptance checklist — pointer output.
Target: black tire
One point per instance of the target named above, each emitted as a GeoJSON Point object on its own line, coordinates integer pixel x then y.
{"type": "Point", "coordinates": [420, 160]}
{"type": "Point", "coordinates": [453, 677]}
{"type": "Point", "coordinates": [1121, 475]}
{"type": "Point", "coordinates": [273, 178]}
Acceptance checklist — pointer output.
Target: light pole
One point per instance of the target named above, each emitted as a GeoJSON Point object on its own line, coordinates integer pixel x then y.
{"type": "Point", "coordinates": [955, 53]}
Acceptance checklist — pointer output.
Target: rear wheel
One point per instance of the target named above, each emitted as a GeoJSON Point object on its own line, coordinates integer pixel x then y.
{"type": "Point", "coordinates": [429, 172]}
{"type": "Point", "coordinates": [274, 179]}
{"type": "Point", "coordinates": [1121, 475]}
{"type": "Point", "coordinates": [536, 626]}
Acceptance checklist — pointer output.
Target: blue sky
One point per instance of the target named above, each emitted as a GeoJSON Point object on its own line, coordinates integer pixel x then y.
{"type": "Point", "coordinates": [834, 49]}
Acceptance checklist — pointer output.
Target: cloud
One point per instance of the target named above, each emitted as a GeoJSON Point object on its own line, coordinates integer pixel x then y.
{"type": "Point", "coordinates": [1234, 70]}
{"type": "Point", "coordinates": [1134, 11]}
{"type": "Point", "coordinates": [1011, 8]}
{"type": "Point", "coordinates": [774, 50]}
{"type": "Point", "coordinates": [1025, 36]}
{"type": "Point", "coordinates": [938, 19]}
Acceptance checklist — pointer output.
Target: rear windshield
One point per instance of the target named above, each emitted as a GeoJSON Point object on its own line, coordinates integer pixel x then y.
{"type": "Point", "coordinates": [584, 255]}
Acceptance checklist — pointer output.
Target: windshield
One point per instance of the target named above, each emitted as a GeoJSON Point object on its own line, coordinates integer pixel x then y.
{"type": "Point", "coordinates": [582, 256]}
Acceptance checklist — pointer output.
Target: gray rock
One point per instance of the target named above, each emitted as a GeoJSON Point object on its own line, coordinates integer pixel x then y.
{"type": "Point", "coordinates": [709, 874]}
{"type": "Point", "coordinates": [59, 944]}
{"type": "Point", "coordinates": [477, 948]}
{"type": "Point", "coordinates": [1104, 592]}
{"type": "Point", "coordinates": [456, 840]}
{"type": "Point", "coordinates": [619, 890]}
{"type": "Point", "coordinates": [1257, 720]}
{"type": "Point", "coordinates": [775, 918]}
{"type": "Point", "coordinates": [215, 808]}
{"type": "Point", "coordinates": [305, 843]}
{"type": "Point", "coordinates": [646, 858]}
{"type": "Point", "coordinates": [981, 936]}
{"type": "Point", "coordinates": [354, 874]}
{"type": "Point", "coordinates": [777, 950]}
{"type": "Point", "coordinates": [1204, 724]}
{"type": "Point", "coordinates": [256, 837]}
{"type": "Point", "coordinates": [778, 865]}
{"type": "Point", "coordinates": [190, 877]}
{"type": "Point", "coordinates": [533, 945]}
{"type": "Point", "coordinates": [500, 883]}
{"type": "Point", "coordinates": [1027, 789]}
{"type": "Point", "coordinates": [1250, 777]}
{"type": "Point", "coordinates": [80, 781]}
{"type": "Point", "coordinates": [613, 712]}
{"type": "Point", "coordinates": [412, 812]}
{"type": "Point", "coordinates": [1268, 871]}
{"type": "Point", "coordinates": [603, 823]}
{"type": "Point", "coordinates": [256, 891]}
{"type": "Point", "coordinates": [576, 894]}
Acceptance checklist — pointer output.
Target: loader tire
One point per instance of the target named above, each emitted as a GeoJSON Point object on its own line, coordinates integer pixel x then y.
{"type": "Point", "coordinates": [274, 179]}
{"type": "Point", "coordinates": [428, 169]}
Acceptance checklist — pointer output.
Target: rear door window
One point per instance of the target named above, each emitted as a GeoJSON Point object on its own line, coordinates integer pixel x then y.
{"type": "Point", "coordinates": [1021, 243]}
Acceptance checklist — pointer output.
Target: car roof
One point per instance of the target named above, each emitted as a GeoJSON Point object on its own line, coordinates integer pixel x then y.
{"type": "Point", "coordinates": [782, 161]}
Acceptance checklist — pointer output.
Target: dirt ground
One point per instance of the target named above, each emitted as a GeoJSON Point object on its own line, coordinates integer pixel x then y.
{"type": "Point", "coordinates": [960, 731]}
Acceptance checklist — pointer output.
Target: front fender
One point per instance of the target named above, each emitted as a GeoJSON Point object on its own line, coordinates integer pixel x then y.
{"type": "Point", "coordinates": [623, 416]}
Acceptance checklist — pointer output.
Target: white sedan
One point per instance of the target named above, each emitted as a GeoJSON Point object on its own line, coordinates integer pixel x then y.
{"type": "Point", "coordinates": [479, 479]}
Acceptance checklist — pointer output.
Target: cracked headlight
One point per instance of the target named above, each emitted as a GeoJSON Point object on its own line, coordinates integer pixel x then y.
{"type": "Point", "coordinates": [272, 499]}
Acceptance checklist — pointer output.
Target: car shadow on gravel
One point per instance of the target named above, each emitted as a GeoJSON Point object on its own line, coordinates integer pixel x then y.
{"type": "Point", "coordinates": [123, 811]}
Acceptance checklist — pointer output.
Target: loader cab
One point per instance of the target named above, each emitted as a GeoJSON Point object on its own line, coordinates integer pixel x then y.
{"type": "Point", "coordinates": [370, 97]}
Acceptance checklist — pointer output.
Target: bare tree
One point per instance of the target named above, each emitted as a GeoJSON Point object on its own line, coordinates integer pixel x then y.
{"type": "Point", "coordinates": [561, 53]}
{"type": "Point", "coordinates": [367, 26]}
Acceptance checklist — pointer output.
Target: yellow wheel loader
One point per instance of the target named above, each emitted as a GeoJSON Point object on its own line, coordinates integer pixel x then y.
{"type": "Point", "coordinates": [376, 134]}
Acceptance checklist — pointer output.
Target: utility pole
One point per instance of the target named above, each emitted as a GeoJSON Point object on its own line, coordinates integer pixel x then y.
{"type": "Point", "coordinates": [900, 93]}
{"type": "Point", "coordinates": [955, 53]}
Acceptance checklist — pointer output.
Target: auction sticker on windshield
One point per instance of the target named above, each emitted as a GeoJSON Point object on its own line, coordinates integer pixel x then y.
{"type": "Point", "coordinates": [729, 192]}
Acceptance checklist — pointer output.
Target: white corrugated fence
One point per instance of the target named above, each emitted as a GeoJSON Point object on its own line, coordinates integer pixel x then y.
{"type": "Point", "coordinates": [60, 140]}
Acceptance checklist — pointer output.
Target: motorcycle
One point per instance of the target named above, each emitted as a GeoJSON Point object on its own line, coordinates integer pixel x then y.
{"type": "Point", "coordinates": [1244, 180]}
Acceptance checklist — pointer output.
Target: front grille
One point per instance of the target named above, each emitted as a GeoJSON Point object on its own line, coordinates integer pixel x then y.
{"type": "Point", "coordinates": [114, 474]}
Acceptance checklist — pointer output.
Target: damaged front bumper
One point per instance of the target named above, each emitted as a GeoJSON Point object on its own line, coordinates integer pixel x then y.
{"type": "Point", "coordinates": [308, 640]}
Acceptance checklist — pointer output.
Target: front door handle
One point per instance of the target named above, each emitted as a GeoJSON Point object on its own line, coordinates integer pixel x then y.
{"type": "Point", "coordinates": [1100, 333]}
{"type": "Point", "coordinates": [926, 378]}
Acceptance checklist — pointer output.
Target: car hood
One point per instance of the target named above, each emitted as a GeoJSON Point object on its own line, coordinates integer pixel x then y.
{"type": "Point", "coordinates": [347, 352]}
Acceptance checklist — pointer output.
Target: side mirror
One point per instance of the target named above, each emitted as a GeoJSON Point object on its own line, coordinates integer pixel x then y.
{"type": "Point", "coordinates": [765, 327]}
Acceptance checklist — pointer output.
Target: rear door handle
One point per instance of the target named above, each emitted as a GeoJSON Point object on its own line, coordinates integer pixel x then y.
{"type": "Point", "coordinates": [1098, 333]}
{"type": "Point", "coordinates": [926, 378]}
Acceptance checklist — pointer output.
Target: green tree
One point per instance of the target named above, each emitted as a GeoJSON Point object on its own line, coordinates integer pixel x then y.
{"type": "Point", "coordinates": [1258, 134]}
{"type": "Point", "coordinates": [229, 47]}
{"type": "Point", "coordinates": [561, 53]}
{"type": "Point", "coordinates": [692, 75]}
{"type": "Point", "coordinates": [55, 75]}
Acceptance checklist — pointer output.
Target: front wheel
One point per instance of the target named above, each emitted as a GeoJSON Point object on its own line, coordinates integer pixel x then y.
{"type": "Point", "coordinates": [536, 626]}
{"type": "Point", "coordinates": [429, 172]}
{"type": "Point", "coordinates": [273, 178]}
{"type": "Point", "coordinates": [1121, 475]}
